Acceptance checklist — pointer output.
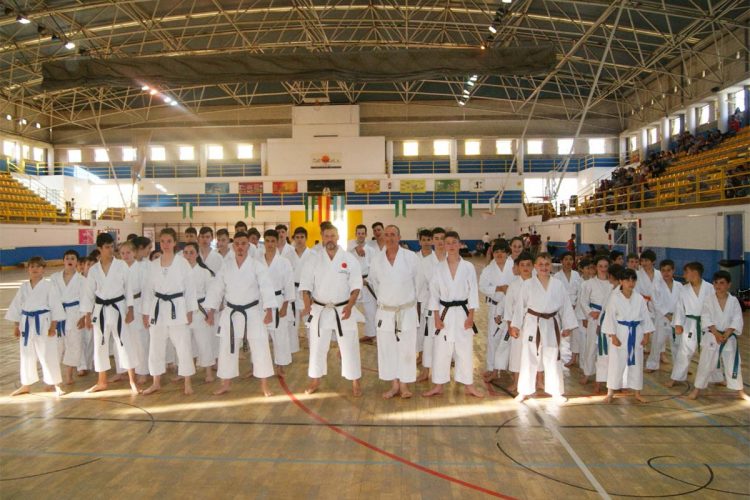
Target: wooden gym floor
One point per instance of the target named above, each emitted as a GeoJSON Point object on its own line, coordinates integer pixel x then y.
{"type": "Point", "coordinates": [330, 445]}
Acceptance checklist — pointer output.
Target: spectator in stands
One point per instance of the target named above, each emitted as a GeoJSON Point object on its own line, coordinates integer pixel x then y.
{"type": "Point", "coordinates": [571, 246]}
{"type": "Point", "coordinates": [535, 242]}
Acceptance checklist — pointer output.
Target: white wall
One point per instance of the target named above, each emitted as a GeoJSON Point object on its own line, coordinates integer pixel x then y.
{"type": "Point", "coordinates": [357, 155]}
{"type": "Point", "coordinates": [36, 235]}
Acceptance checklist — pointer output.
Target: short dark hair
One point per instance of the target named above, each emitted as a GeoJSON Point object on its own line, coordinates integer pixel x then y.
{"type": "Point", "coordinates": [376, 224]}
{"type": "Point", "coordinates": [632, 256]}
{"type": "Point", "coordinates": [614, 254]}
{"type": "Point", "coordinates": [300, 230]}
{"type": "Point", "coordinates": [70, 251]}
{"type": "Point", "coordinates": [360, 226]}
{"type": "Point", "coordinates": [615, 270]}
{"type": "Point", "coordinates": [270, 233]}
{"type": "Point", "coordinates": [543, 255]}
{"type": "Point", "coordinates": [36, 260]}
{"type": "Point", "coordinates": [142, 242]}
{"type": "Point", "coordinates": [515, 238]}
{"type": "Point", "coordinates": [500, 247]}
{"type": "Point", "coordinates": [253, 231]}
{"type": "Point", "coordinates": [425, 233]}
{"type": "Point", "coordinates": [240, 234]}
{"type": "Point", "coordinates": [628, 274]}
{"type": "Point", "coordinates": [438, 230]}
{"type": "Point", "coordinates": [694, 266]}
{"type": "Point", "coordinates": [131, 236]}
{"type": "Point", "coordinates": [665, 263]}
{"type": "Point", "coordinates": [206, 229]}
{"type": "Point", "coordinates": [280, 227]}
{"type": "Point", "coordinates": [722, 275]}
{"type": "Point", "coordinates": [648, 254]}
{"type": "Point", "coordinates": [522, 257]}
{"type": "Point", "coordinates": [191, 230]}
{"type": "Point", "coordinates": [240, 223]}
{"type": "Point", "coordinates": [567, 254]}
{"type": "Point", "coordinates": [326, 225]}
{"type": "Point", "coordinates": [452, 234]}
{"type": "Point", "coordinates": [104, 239]}
{"type": "Point", "coordinates": [222, 232]}
{"type": "Point", "coordinates": [601, 257]}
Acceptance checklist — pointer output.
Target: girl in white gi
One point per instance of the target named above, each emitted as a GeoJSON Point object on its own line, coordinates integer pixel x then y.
{"type": "Point", "coordinates": [169, 301]}
{"type": "Point", "coordinates": [667, 292]}
{"type": "Point", "coordinates": [594, 295]}
{"type": "Point", "coordinates": [722, 315]}
{"type": "Point", "coordinates": [108, 304]}
{"type": "Point", "coordinates": [70, 285]}
{"type": "Point", "coordinates": [364, 253]}
{"type": "Point", "coordinates": [330, 285]}
{"type": "Point", "coordinates": [454, 296]}
{"type": "Point", "coordinates": [202, 333]}
{"type": "Point", "coordinates": [687, 322]}
{"type": "Point", "coordinates": [35, 311]}
{"type": "Point", "coordinates": [298, 259]}
{"type": "Point", "coordinates": [393, 276]}
{"type": "Point", "coordinates": [493, 283]}
{"type": "Point", "coordinates": [281, 276]}
{"type": "Point", "coordinates": [244, 283]}
{"type": "Point", "coordinates": [572, 282]}
{"type": "Point", "coordinates": [427, 271]}
{"type": "Point", "coordinates": [628, 323]}
{"type": "Point", "coordinates": [535, 319]}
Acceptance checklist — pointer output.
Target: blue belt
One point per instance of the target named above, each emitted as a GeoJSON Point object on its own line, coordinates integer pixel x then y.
{"type": "Point", "coordinates": [61, 324]}
{"type": "Point", "coordinates": [35, 315]}
{"type": "Point", "coordinates": [736, 364]}
{"type": "Point", "coordinates": [632, 326]}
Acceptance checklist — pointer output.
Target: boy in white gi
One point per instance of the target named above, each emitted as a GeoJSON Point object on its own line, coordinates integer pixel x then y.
{"type": "Point", "coordinates": [427, 271]}
{"type": "Point", "coordinates": [330, 284]}
{"type": "Point", "coordinates": [35, 311]}
{"type": "Point", "coordinates": [393, 276]}
{"type": "Point", "coordinates": [282, 280]}
{"type": "Point", "coordinates": [202, 333]}
{"type": "Point", "coordinates": [108, 304]}
{"type": "Point", "coordinates": [628, 323]}
{"type": "Point", "coordinates": [493, 283]}
{"type": "Point", "coordinates": [722, 315]}
{"type": "Point", "coordinates": [454, 296]}
{"type": "Point", "coordinates": [423, 289]}
{"type": "Point", "coordinates": [593, 300]}
{"type": "Point", "coordinates": [667, 292]}
{"type": "Point", "coordinates": [535, 319]}
{"type": "Point", "coordinates": [208, 256]}
{"type": "Point", "coordinates": [298, 259]}
{"type": "Point", "coordinates": [244, 283]}
{"type": "Point", "coordinates": [523, 270]}
{"type": "Point", "coordinates": [142, 251]}
{"type": "Point", "coordinates": [364, 253]}
{"type": "Point", "coordinates": [131, 331]}
{"type": "Point", "coordinates": [687, 320]}
{"type": "Point", "coordinates": [169, 302]}
{"type": "Point", "coordinates": [86, 362]}
{"type": "Point", "coordinates": [70, 284]}
{"type": "Point", "coordinates": [572, 282]}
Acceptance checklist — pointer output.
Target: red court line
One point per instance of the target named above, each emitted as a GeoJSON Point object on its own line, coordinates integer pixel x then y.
{"type": "Point", "coordinates": [351, 437]}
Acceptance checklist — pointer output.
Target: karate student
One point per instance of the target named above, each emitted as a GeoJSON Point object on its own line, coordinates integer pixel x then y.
{"type": "Point", "coordinates": [282, 281]}
{"type": "Point", "coordinates": [646, 284]}
{"type": "Point", "coordinates": [535, 320]}
{"type": "Point", "coordinates": [666, 293]}
{"type": "Point", "coordinates": [202, 333]}
{"type": "Point", "coordinates": [283, 246]}
{"type": "Point", "coordinates": [454, 296]}
{"type": "Point", "coordinates": [393, 275]}
{"type": "Point", "coordinates": [364, 253]}
{"type": "Point", "coordinates": [35, 311]}
{"type": "Point", "coordinates": [722, 316]}
{"type": "Point", "coordinates": [330, 285]}
{"type": "Point", "coordinates": [493, 283]}
{"type": "Point", "coordinates": [427, 271]}
{"type": "Point", "coordinates": [108, 304]}
{"type": "Point", "coordinates": [245, 285]}
{"type": "Point", "coordinates": [223, 244]}
{"type": "Point", "coordinates": [169, 301]}
{"type": "Point", "coordinates": [616, 257]}
{"type": "Point", "coordinates": [628, 323]}
{"type": "Point", "coordinates": [423, 288]}
{"type": "Point", "coordinates": [209, 257]}
{"type": "Point", "coordinates": [572, 282]}
{"type": "Point", "coordinates": [522, 271]}
{"type": "Point", "coordinates": [603, 342]}
{"type": "Point", "coordinates": [298, 259]}
{"type": "Point", "coordinates": [86, 363]}
{"type": "Point", "coordinates": [70, 284]}
{"type": "Point", "coordinates": [138, 272]}
{"type": "Point", "coordinates": [594, 295]}
{"type": "Point", "coordinates": [633, 261]}
{"type": "Point", "coordinates": [687, 322]}
{"type": "Point", "coordinates": [378, 238]}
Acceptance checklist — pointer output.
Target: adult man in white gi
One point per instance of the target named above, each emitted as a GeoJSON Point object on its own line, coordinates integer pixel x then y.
{"type": "Point", "coordinates": [364, 254]}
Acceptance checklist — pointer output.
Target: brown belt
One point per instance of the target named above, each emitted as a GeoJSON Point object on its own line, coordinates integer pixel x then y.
{"type": "Point", "coordinates": [553, 317]}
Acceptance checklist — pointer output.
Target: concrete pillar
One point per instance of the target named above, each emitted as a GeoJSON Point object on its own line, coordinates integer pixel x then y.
{"type": "Point", "coordinates": [643, 142]}
{"type": "Point", "coordinates": [454, 156]}
{"type": "Point", "coordinates": [520, 153]}
{"type": "Point", "coordinates": [691, 120]}
{"type": "Point", "coordinates": [722, 111]}
{"type": "Point", "coordinates": [263, 158]}
{"type": "Point", "coordinates": [664, 133]}
{"type": "Point", "coordinates": [389, 157]}
{"type": "Point", "coordinates": [202, 160]}
{"type": "Point", "coordinates": [622, 149]}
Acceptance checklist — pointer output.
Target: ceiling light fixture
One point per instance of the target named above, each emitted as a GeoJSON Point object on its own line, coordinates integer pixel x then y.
{"type": "Point", "coordinates": [23, 121]}
{"type": "Point", "coordinates": [23, 19]}
{"type": "Point", "coordinates": [173, 103]}
{"type": "Point", "coordinates": [70, 45]}
{"type": "Point", "coordinates": [145, 88]}
{"type": "Point", "coordinates": [470, 83]}
{"type": "Point", "coordinates": [492, 29]}
{"type": "Point", "coordinates": [8, 117]}
{"type": "Point", "coordinates": [38, 125]}
{"type": "Point", "coordinates": [152, 91]}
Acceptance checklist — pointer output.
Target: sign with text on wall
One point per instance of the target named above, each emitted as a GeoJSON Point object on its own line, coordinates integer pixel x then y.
{"type": "Point", "coordinates": [324, 161]}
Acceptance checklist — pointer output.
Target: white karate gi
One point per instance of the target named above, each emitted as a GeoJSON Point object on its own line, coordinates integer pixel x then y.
{"type": "Point", "coordinates": [296, 307]}
{"type": "Point", "coordinates": [71, 342]}
{"type": "Point", "coordinates": [689, 304]}
{"type": "Point", "coordinates": [240, 286]}
{"type": "Point", "coordinates": [106, 287]}
{"type": "Point", "coordinates": [453, 341]}
{"type": "Point", "coordinates": [365, 299]}
{"type": "Point", "coordinates": [425, 336]}
{"type": "Point", "coordinates": [516, 344]}
{"type": "Point", "coordinates": [331, 282]}
{"type": "Point", "coordinates": [593, 298]}
{"type": "Point", "coordinates": [554, 300]}
{"type": "Point", "coordinates": [34, 309]}
{"type": "Point", "coordinates": [203, 334]}
{"type": "Point", "coordinates": [282, 280]}
{"type": "Point", "coordinates": [573, 287]}
{"type": "Point", "coordinates": [664, 302]}
{"type": "Point", "coordinates": [213, 260]}
{"type": "Point", "coordinates": [138, 272]}
{"type": "Point", "coordinates": [396, 287]}
{"type": "Point", "coordinates": [712, 351]}
{"type": "Point", "coordinates": [171, 280]}
{"type": "Point", "coordinates": [497, 334]}
{"type": "Point", "coordinates": [626, 361]}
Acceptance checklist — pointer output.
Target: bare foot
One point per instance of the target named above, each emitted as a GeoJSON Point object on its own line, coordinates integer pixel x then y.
{"type": "Point", "coordinates": [693, 394]}
{"type": "Point", "coordinates": [209, 379]}
{"type": "Point", "coordinates": [424, 375]}
{"type": "Point", "coordinates": [97, 388]}
{"type": "Point", "coordinates": [142, 379]}
{"type": "Point", "coordinates": [570, 363]}
{"type": "Point", "coordinates": [59, 391]}
{"type": "Point", "coordinates": [69, 381]}
{"type": "Point", "coordinates": [188, 390]}
{"type": "Point", "coordinates": [609, 398]}
{"type": "Point", "coordinates": [312, 386]}
{"type": "Point", "coordinates": [470, 390]}
{"type": "Point", "coordinates": [406, 394]}
{"type": "Point", "coordinates": [669, 383]}
{"type": "Point", "coordinates": [597, 387]}
{"type": "Point", "coordinates": [82, 373]}
{"type": "Point", "coordinates": [583, 380]}
{"type": "Point", "coordinates": [24, 389]}
{"type": "Point", "coordinates": [489, 375]}
{"type": "Point", "coordinates": [154, 388]}
{"type": "Point", "coordinates": [512, 388]}
{"type": "Point", "coordinates": [134, 388]}
{"type": "Point", "coordinates": [223, 389]}
{"type": "Point", "coordinates": [356, 389]}
{"type": "Point", "coordinates": [639, 398]}
{"type": "Point", "coordinates": [435, 391]}
{"type": "Point", "coordinates": [115, 378]}
{"type": "Point", "coordinates": [520, 398]}
{"type": "Point", "coordinates": [663, 357]}
{"type": "Point", "coordinates": [390, 393]}
{"type": "Point", "coordinates": [177, 379]}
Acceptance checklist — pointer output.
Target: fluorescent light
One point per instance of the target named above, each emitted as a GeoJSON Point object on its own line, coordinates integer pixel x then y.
{"type": "Point", "coordinates": [492, 29]}
{"type": "Point", "coordinates": [507, 1]}
{"type": "Point", "coordinates": [462, 103]}
{"type": "Point", "coordinates": [38, 125]}
{"type": "Point", "coordinates": [70, 45]}
{"type": "Point", "coordinates": [8, 117]}
{"type": "Point", "coordinates": [167, 99]}
{"type": "Point", "coordinates": [23, 121]}
{"type": "Point", "coordinates": [466, 91]}
{"type": "Point", "coordinates": [152, 91]}
{"type": "Point", "coordinates": [145, 88]}
{"type": "Point", "coordinates": [173, 103]}
{"type": "Point", "coordinates": [23, 19]}
{"type": "Point", "coordinates": [470, 83]}
{"type": "Point", "coordinates": [474, 78]}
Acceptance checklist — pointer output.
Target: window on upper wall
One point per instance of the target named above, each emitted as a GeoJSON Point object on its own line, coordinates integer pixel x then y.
{"type": "Point", "coordinates": [74, 156]}
{"type": "Point", "coordinates": [101, 154]}
{"type": "Point", "coordinates": [534, 146]}
{"type": "Point", "coordinates": [739, 101]}
{"type": "Point", "coordinates": [472, 148]}
{"type": "Point", "coordinates": [653, 135]}
{"type": "Point", "coordinates": [597, 146]}
{"type": "Point", "coordinates": [38, 154]}
{"type": "Point", "coordinates": [565, 146]}
{"type": "Point", "coordinates": [129, 154]}
{"type": "Point", "coordinates": [704, 113]}
{"type": "Point", "coordinates": [675, 124]}
{"type": "Point", "coordinates": [245, 151]}
{"type": "Point", "coordinates": [158, 153]}
{"type": "Point", "coordinates": [633, 143]}
{"type": "Point", "coordinates": [441, 147]}
{"type": "Point", "coordinates": [215, 152]}
{"type": "Point", "coordinates": [26, 152]}
{"type": "Point", "coordinates": [9, 149]}
{"type": "Point", "coordinates": [411, 148]}
{"type": "Point", "coordinates": [504, 146]}
{"type": "Point", "coordinates": [187, 153]}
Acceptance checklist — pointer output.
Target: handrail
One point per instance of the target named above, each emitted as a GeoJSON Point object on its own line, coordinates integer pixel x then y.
{"type": "Point", "coordinates": [54, 196]}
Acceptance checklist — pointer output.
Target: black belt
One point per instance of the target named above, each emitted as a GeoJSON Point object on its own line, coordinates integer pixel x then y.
{"type": "Point", "coordinates": [238, 310]}
{"type": "Point", "coordinates": [463, 304]}
{"type": "Point", "coordinates": [553, 317]}
{"type": "Point", "coordinates": [335, 311]}
{"type": "Point", "coordinates": [137, 296]}
{"type": "Point", "coordinates": [427, 323]}
{"type": "Point", "coordinates": [367, 285]}
{"type": "Point", "coordinates": [491, 301]}
{"type": "Point", "coordinates": [201, 308]}
{"type": "Point", "coordinates": [168, 298]}
{"type": "Point", "coordinates": [276, 314]}
{"type": "Point", "coordinates": [109, 302]}
{"type": "Point", "coordinates": [294, 307]}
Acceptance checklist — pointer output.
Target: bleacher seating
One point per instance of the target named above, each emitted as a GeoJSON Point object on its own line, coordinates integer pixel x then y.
{"type": "Point", "coordinates": [233, 170]}
{"type": "Point", "coordinates": [403, 166]}
{"type": "Point", "coordinates": [19, 204]}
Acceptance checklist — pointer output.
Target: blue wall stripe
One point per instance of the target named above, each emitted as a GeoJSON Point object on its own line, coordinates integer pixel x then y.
{"type": "Point", "coordinates": [16, 256]}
